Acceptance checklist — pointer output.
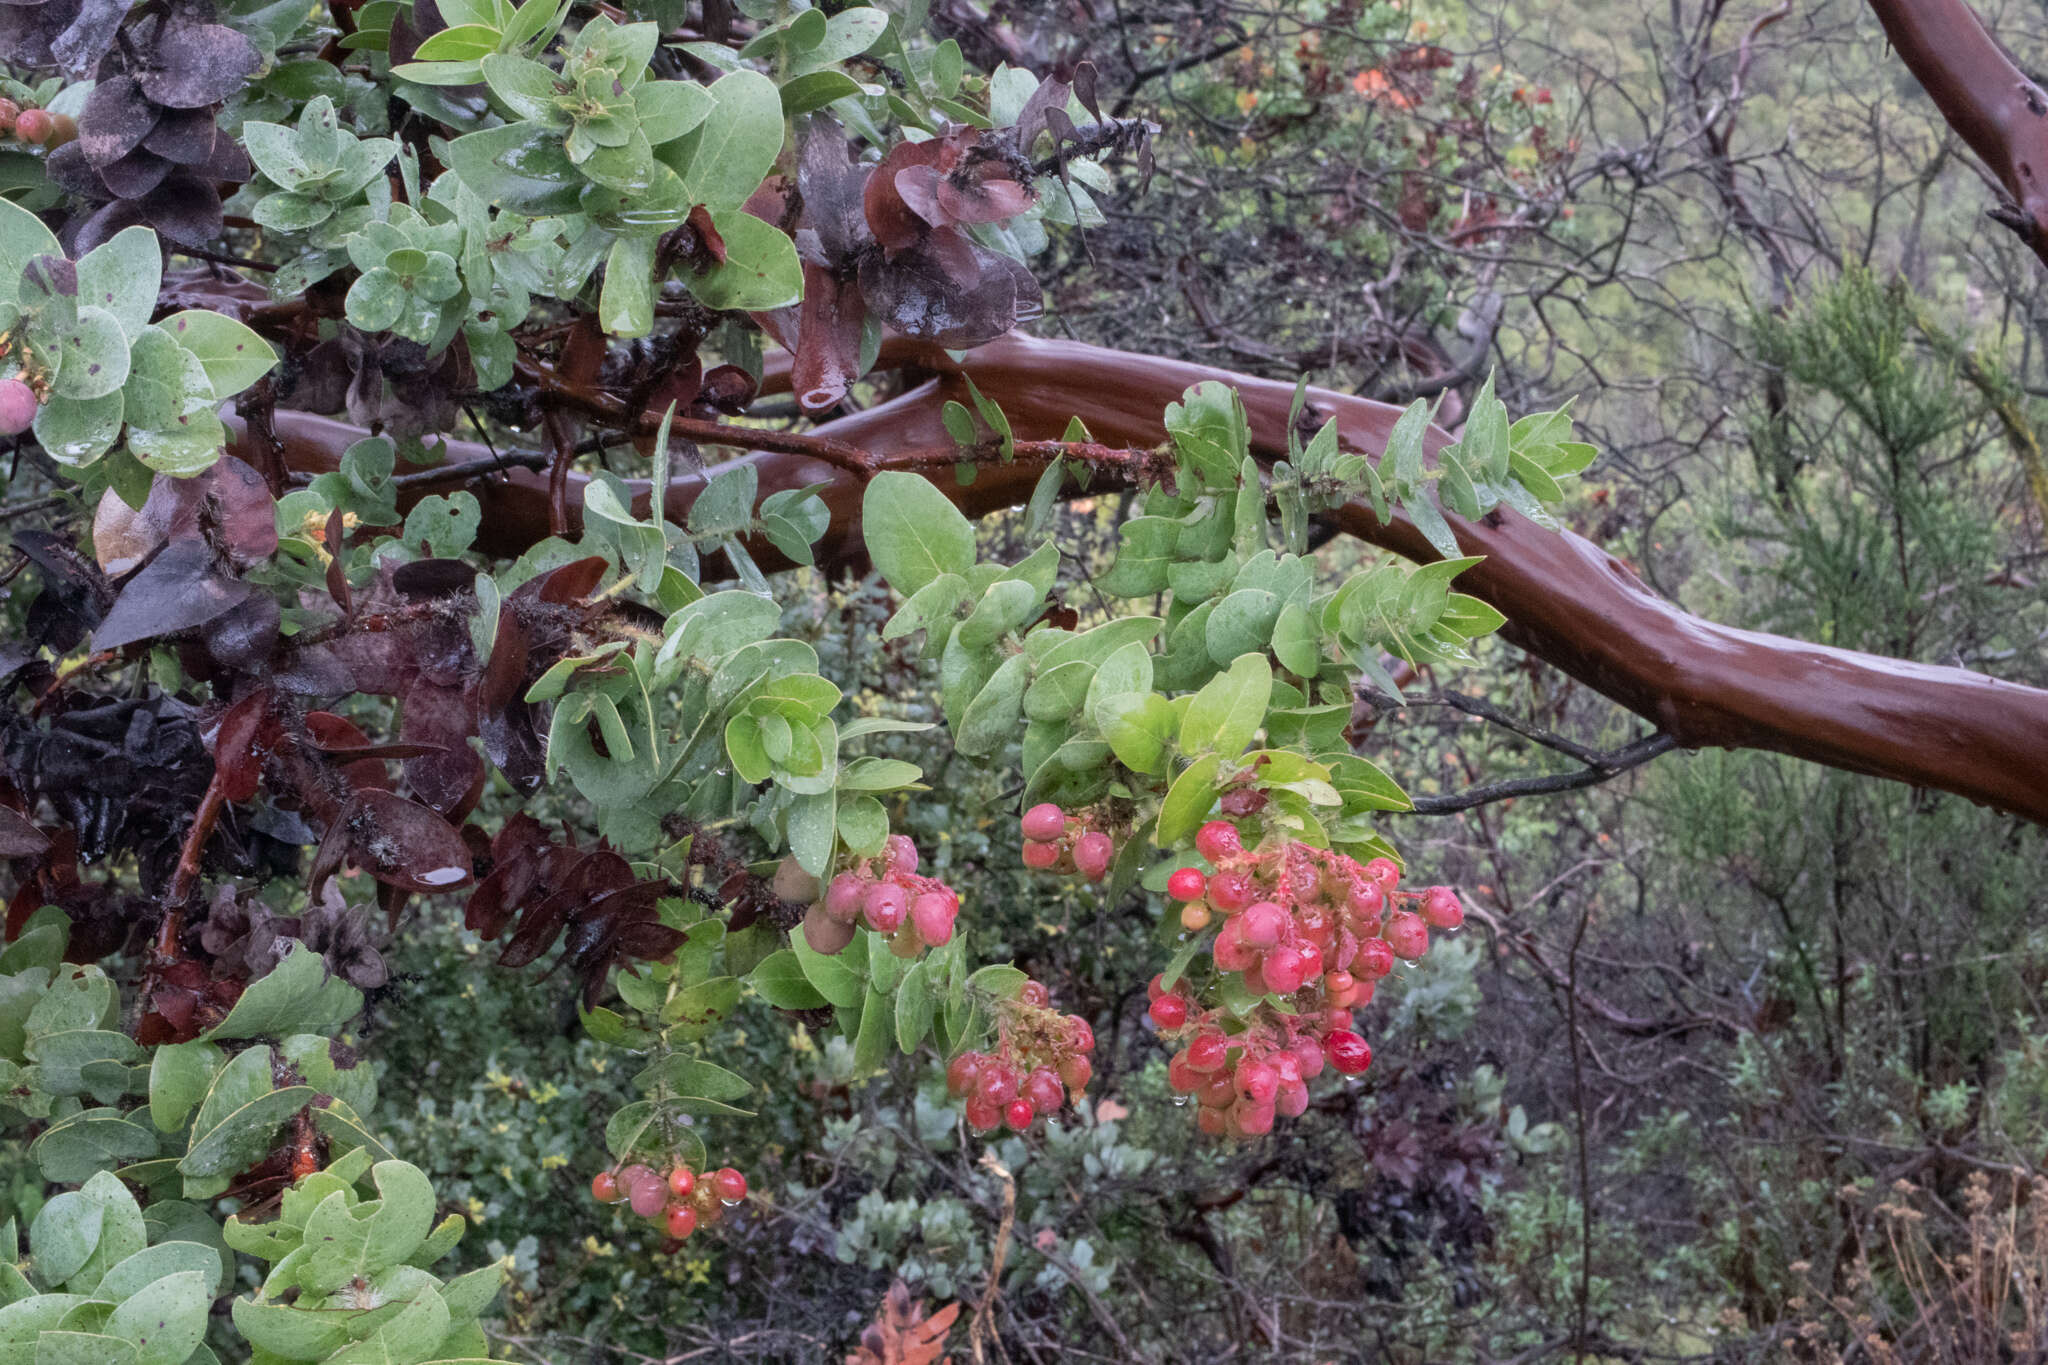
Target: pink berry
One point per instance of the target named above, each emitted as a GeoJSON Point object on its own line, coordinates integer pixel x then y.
{"type": "Point", "coordinates": [1213, 1122]}
{"type": "Point", "coordinates": [843, 897]}
{"type": "Point", "coordinates": [1183, 1078]}
{"type": "Point", "coordinates": [1292, 1101]}
{"type": "Point", "coordinates": [1287, 1066]}
{"type": "Point", "coordinates": [1314, 924]}
{"type": "Point", "coordinates": [1044, 822]}
{"type": "Point", "coordinates": [1342, 988]}
{"type": "Point", "coordinates": [604, 1187]}
{"type": "Point", "coordinates": [1252, 1120]}
{"type": "Point", "coordinates": [1348, 1053]}
{"type": "Point", "coordinates": [1208, 1052]}
{"type": "Point", "coordinates": [1218, 841]}
{"type": "Point", "coordinates": [1041, 857]}
{"type": "Point", "coordinates": [1407, 935]}
{"type": "Point", "coordinates": [1311, 961]}
{"type": "Point", "coordinates": [1283, 969]}
{"type": "Point", "coordinates": [1385, 872]}
{"type": "Point", "coordinates": [884, 907]}
{"type": "Point", "coordinates": [1092, 854]}
{"type": "Point", "coordinates": [1043, 1089]}
{"type": "Point", "coordinates": [1367, 901]}
{"type": "Point", "coordinates": [933, 914]}
{"type": "Point", "coordinates": [1169, 1011]}
{"type": "Point", "coordinates": [17, 407]}
{"type": "Point", "coordinates": [729, 1185]}
{"type": "Point", "coordinates": [1262, 925]}
{"type": "Point", "coordinates": [1230, 892]}
{"type": "Point", "coordinates": [1440, 907]}
{"type": "Point", "coordinates": [1034, 994]}
{"type": "Point", "coordinates": [1080, 1036]}
{"type": "Point", "coordinates": [997, 1083]}
{"type": "Point", "coordinates": [1216, 1092]}
{"type": "Point", "coordinates": [1257, 1081]}
{"type": "Point", "coordinates": [1186, 884]}
{"type": "Point", "coordinates": [681, 1223]}
{"type": "Point", "coordinates": [900, 854]}
{"type": "Point", "coordinates": [1308, 1055]}
{"type": "Point", "coordinates": [1232, 953]}
{"type": "Point", "coordinates": [961, 1071]}
{"type": "Point", "coordinates": [1375, 959]}
{"type": "Point", "coordinates": [649, 1196]}
{"type": "Point", "coordinates": [1077, 1072]}
{"type": "Point", "coordinates": [1336, 1021]}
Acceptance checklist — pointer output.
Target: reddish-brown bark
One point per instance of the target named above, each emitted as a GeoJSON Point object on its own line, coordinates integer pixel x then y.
{"type": "Point", "coordinates": [1568, 601]}
{"type": "Point", "coordinates": [1996, 107]}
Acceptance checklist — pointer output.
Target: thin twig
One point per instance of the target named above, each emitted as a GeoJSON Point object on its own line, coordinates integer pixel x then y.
{"type": "Point", "coordinates": [1599, 768]}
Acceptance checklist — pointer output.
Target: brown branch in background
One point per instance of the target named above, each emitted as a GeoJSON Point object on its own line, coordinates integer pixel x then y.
{"type": "Point", "coordinates": [1567, 600]}
{"type": "Point", "coordinates": [562, 436]}
{"type": "Point", "coordinates": [1985, 97]}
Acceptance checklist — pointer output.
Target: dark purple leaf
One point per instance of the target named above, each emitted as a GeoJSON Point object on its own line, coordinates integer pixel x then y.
{"type": "Point", "coordinates": [424, 579]}
{"type": "Point", "coordinates": [19, 838]}
{"type": "Point", "coordinates": [75, 594]}
{"type": "Point", "coordinates": [831, 186]}
{"type": "Point", "coordinates": [178, 590]}
{"type": "Point", "coordinates": [443, 717]}
{"type": "Point", "coordinates": [917, 295]}
{"type": "Point", "coordinates": [185, 136]}
{"type": "Point", "coordinates": [402, 843]}
{"type": "Point", "coordinates": [198, 64]}
{"type": "Point", "coordinates": [135, 174]}
{"type": "Point", "coordinates": [244, 637]}
{"type": "Point", "coordinates": [81, 46]}
{"type": "Point", "coordinates": [70, 171]}
{"type": "Point", "coordinates": [184, 208]}
{"type": "Point", "coordinates": [117, 117]}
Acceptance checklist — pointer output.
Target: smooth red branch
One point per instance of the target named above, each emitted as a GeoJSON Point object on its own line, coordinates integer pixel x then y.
{"type": "Point", "coordinates": [1984, 96]}
{"type": "Point", "coordinates": [1567, 600]}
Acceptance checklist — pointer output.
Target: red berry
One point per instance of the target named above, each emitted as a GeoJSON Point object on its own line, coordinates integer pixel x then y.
{"type": "Point", "coordinates": [884, 905]}
{"type": "Point", "coordinates": [729, 1185]}
{"type": "Point", "coordinates": [1218, 841]}
{"type": "Point", "coordinates": [1288, 1067]}
{"type": "Point", "coordinates": [1367, 902]}
{"type": "Point", "coordinates": [1018, 1114]}
{"type": "Point", "coordinates": [1034, 994]}
{"type": "Point", "coordinates": [1077, 1072]}
{"type": "Point", "coordinates": [1186, 884]}
{"type": "Point", "coordinates": [1044, 822]}
{"type": "Point", "coordinates": [18, 404]}
{"type": "Point", "coordinates": [1156, 987]}
{"type": "Point", "coordinates": [1283, 969]}
{"type": "Point", "coordinates": [961, 1071]}
{"type": "Point", "coordinates": [604, 1187]}
{"type": "Point", "coordinates": [1311, 961]}
{"type": "Point", "coordinates": [1256, 1081]}
{"type": "Point", "coordinates": [681, 1181]}
{"type": "Point", "coordinates": [1169, 1011]}
{"type": "Point", "coordinates": [1341, 989]}
{"type": "Point", "coordinates": [1314, 924]}
{"type": "Point", "coordinates": [1337, 1021]}
{"type": "Point", "coordinates": [1093, 852]}
{"type": "Point", "coordinates": [1230, 892]}
{"type": "Point", "coordinates": [681, 1223]}
{"type": "Point", "coordinates": [1375, 959]}
{"type": "Point", "coordinates": [1043, 1089]}
{"type": "Point", "coordinates": [1041, 857]}
{"type": "Point", "coordinates": [983, 1115]}
{"type": "Point", "coordinates": [997, 1083]}
{"type": "Point", "coordinates": [843, 897]}
{"type": "Point", "coordinates": [33, 125]}
{"type": "Point", "coordinates": [933, 914]}
{"type": "Point", "coordinates": [1208, 1052]}
{"type": "Point", "coordinates": [1080, 1036]}
{"type": "Point", "coordinates": [1440, 907]}
{"type": "Point", "coordinates": [1216, 1092]}
{"type": "Point", "coordinates": [1407, 935]}
{"type": "Point", "coordinates": [1183, 1078]}
{"type": "Point", "coordinates": [1348, 1053]}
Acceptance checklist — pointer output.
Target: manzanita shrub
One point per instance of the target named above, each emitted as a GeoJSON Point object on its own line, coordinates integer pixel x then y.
{"type": "Point", "coordinates": [267, 708]}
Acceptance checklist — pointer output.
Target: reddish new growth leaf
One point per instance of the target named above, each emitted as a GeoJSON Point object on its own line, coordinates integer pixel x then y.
{"type": "Point", "coordinates": [587, 899]}
{"type": "Point", "coordinates": [901, 1334]}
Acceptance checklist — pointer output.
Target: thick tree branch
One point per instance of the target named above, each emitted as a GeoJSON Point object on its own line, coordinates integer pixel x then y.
{"type": "Point", "coordinates": [1567, 600]}
{"type": "Point", "coordinates": [1984, 96]}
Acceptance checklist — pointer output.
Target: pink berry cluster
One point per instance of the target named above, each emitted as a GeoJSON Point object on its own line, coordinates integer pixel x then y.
{"type": "Point", "coordinates": [1040, 1057]}
{"type": "Point", "coordinates": [678, 1203]}
{"type": "Point", "coordinates": [1298, 921]}
{"type": "Point", "coordinates": [1258, 1070]}
{"type": "Point", "coordinates": [1055, 841]}
{"type": "Point", "coordinates": [1295, 915]}
{"type": "Point", "coordinates": [887, 895]}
